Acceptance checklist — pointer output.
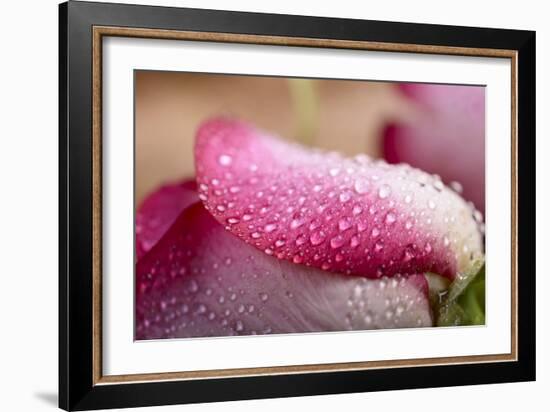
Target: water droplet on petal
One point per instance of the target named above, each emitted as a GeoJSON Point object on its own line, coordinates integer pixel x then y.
{"type": "Point", "coordinates": [239, 326]}
{"type": "Point", "coordinates": [390, 218]}
{"type": "Point", "coordinates": [361, 186]}
{"type": "Point", "coordinates": [428, 247]}
{"type": "Point", "coordinates": [279, 243]}
{"type": "Point", "coordinates": [225, 160]}
{"type": "Point", "coordinates": [337, 241]}
{"type": "Point", "coordinates": [297, 259]}
{"type": "Point", "coordinates": [357, 210]}
{"type": "Point", "coordinates": [344, 197]}
{"type": "Point", "coordinates": [270, 227]}
{"type": "Point", "coordinates": [456, 186]}
{"type": "Point", "coordinates": [317, 238]}
{"type": "Point", "coordinates": [193, 287]}
{"type": "Point", "coordinates": [344, 224]}
{"type": "Point", "coordinates": [384, 191]}
{"type": "Point", "coordinates": [296, 223]}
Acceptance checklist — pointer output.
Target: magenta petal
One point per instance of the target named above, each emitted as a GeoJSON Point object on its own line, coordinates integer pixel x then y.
{"type": "Point", "coordinates": [159, 210]}
{"type": "Point", "coordinates": [355, 216]}
{"type": "Point", "coordinates": [199, 280]}
{"type": "Point", "coordinates": [447, 137]}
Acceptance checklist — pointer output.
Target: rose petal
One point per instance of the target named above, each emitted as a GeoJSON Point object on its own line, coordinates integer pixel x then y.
{"type": "Point", "coordinates": [199, 280]}
{"type": "Point", "coordinates": [447, 137]}
{"type": "Point", "coordinates": [159, 210]}
{"type": "Point", "coordinates": [354, 216]}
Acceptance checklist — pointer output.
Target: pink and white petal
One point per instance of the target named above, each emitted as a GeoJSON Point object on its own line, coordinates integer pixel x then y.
{"type": "Point", "coordinates": [347, 215]}
{"type": "Point", "coordinates": [446, 137]}
{"type": "Point", "coordinates": [200, 280]}
{"type": "Point", "coordinates": [159, 210]}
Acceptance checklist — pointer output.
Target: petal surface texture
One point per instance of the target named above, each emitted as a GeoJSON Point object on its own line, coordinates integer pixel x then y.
{"type": "Point", "coordinates": [446, 137]}
{"type": "Point", "coordinates": [346, 215]}
{"type": "Point", "coordinates": [200, 280]}
{"type": "Point", "coordinates": [159, 210]}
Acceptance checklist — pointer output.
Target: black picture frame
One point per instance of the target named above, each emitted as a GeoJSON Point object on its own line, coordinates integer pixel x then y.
{"type": "Point", "coordinates": [77, 390]}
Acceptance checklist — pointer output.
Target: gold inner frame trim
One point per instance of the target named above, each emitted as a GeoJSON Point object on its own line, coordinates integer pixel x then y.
{"type": "Point", "coordinates": [100, 31]}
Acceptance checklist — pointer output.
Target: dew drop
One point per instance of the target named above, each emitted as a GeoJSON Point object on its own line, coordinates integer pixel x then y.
{"type": "Point", "coordinates": [361, 186]}
{"type": "Point", "coordinates": [221, 208]}
{"type": "Point", "coordinates": [344, 224]}
{"type": "Point", "coordinates": [344, 197]}
{"type": "Point", "coordinates": [431, 204]}
{"type": "Point", "coordinates": [201, 309]}
{"type": "Point", "coordinates": [337, 241]}
{"type": "Point", "coordinates": [317, 238]}
{"type": "Point", "coordinates": [390, 218]}
{"type": "Point", "coordinates": [225, 160]}
{"type": "Point", "coordinates": [239, 326]}
{"type": "Point", "coordinates": [428, 247]}
{"type": "Point", "coordinates": [232, 220]}
{"type": "Point", "coordinates": [408, 254]}
{"type": "Point", "coordinates": [270, 227]}
{"type": "Point", "coordinates": [438, 185]}
{"type": "Point", "coordinates": [193, 287]}
{"type": "Point", "coordinates": [408, 199]}
{"type": "Point", "coordinates": [264, 296]}
{"type": "Point", "coordinates": [296, 223]}
{"type": "Point", "coordinates": [375, 232]}
{"type": "Point", "coordinates": [300, 240]}
{"type": "Point", "coordinates": [255, 235]}
{"type": "Point", "coordinates": [478, 216]}
{"type": "Point", "coordinates": [457, 187]}
{"type": "Point", "coordinates": [354, 242]}
{"type": "Point", "coordinates": [357, 210]}
{"type": "Point", "coordinates": [384, 191]}
{"type": "Point", "coordinates": [279, 243]}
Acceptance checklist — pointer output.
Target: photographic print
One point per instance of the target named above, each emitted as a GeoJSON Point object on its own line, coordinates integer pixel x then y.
{"type": "Point", "coordinates": [275, 205]}
{"type": "Point", "coordinates": [242, 193]}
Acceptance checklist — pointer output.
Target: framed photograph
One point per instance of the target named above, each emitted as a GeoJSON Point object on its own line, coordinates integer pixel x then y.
{"type": "Point", "coordinates": [256, 205]}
